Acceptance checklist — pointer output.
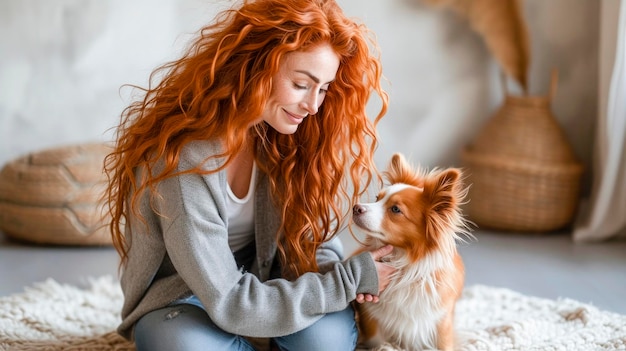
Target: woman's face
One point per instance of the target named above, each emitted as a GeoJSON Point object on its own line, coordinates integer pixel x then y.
{"type": "Point", "coordinates": [299, 87]}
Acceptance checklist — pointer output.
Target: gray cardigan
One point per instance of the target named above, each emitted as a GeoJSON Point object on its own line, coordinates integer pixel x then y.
{"type": "Point", "coordinates": [182, 249]}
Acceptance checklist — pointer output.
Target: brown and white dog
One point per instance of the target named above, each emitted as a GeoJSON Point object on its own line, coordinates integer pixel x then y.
{"type": "Point", "coordinates": [419, 214]}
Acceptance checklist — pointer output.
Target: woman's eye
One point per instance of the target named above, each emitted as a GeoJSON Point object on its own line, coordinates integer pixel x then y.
{"type": "Point", "coordinates": [298, 86]}
{"type": "Point", "coordinates": [395, 209]}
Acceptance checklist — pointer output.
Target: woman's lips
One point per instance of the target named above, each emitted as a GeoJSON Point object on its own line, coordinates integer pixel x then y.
{"type": "Point", "coordinates": [295, 118]}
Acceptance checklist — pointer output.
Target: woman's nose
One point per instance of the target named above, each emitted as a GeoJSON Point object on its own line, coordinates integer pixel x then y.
{"type": "Point", "coordinates": [310, 103]}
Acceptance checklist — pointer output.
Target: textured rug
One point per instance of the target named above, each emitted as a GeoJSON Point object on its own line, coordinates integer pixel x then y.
{"type": "Point", "coordinates": [53, 316]}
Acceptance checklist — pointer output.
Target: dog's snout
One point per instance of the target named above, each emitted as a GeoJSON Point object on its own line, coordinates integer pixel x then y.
{"type": "Point", "coordinates": [358, 209]}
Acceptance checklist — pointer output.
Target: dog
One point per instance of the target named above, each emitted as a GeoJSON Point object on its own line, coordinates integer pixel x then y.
{"type": "Point", "coordinates": [419, 214]}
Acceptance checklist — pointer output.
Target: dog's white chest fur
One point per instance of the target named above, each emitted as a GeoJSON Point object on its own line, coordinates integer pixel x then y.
{"type": "Point", "coordinates": [410, 308]}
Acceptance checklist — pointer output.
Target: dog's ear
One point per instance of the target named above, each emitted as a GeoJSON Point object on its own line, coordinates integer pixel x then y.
{"type": "Point", "coordinates": [444, 192]}
{"type": "Point", "coordinates": [401, 171]}
{"type": "Point", "coordinates": [447, 183]}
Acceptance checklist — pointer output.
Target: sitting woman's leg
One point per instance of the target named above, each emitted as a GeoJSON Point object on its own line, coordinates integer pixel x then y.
{"type": "Point", "coordinates": [333, 332]}
{"type": "Point", "coordinates": [184, 326]}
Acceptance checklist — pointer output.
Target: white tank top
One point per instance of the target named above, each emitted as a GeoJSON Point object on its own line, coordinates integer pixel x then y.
{"type": "Point", "coordinates": [241, 216]}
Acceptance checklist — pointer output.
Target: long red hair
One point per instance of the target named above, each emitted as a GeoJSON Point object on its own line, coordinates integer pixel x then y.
{"type": "Point", "coordinates": [219, 88]}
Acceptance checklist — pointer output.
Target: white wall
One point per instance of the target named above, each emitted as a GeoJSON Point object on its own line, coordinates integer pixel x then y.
{"type": "Point", "coordinates": [62, 63]}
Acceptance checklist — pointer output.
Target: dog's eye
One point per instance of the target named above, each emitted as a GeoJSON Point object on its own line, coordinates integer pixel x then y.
{"type": "Point", "coordinates": [395, 209]}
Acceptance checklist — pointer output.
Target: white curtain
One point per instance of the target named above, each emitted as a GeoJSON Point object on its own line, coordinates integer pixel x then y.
{"type": "Point", "coordinates": [605, 216]}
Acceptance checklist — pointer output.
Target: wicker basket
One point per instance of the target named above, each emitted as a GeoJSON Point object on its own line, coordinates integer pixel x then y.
{"type": "Point", "coordinates": [52, 196]}
{"type": "Point", "coordinates": [523, 173]}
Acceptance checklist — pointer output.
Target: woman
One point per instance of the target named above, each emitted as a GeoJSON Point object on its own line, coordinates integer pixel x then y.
{"type": "Point", "coordinates": [229, 178]}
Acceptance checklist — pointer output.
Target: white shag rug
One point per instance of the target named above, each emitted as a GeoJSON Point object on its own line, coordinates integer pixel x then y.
{"type": "Point", "coordinates": [53, 316]}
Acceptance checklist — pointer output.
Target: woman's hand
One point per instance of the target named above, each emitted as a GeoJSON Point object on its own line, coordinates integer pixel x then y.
{"type": "Point", "coordinates": [384, 274]}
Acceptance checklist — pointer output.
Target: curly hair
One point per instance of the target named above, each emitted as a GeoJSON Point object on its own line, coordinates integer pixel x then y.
{"type": "Point", "coordinates": [219, 88]}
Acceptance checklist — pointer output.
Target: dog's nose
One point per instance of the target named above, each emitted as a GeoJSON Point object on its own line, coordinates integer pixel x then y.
{"type": "Point", "coordinates": [358, 209]}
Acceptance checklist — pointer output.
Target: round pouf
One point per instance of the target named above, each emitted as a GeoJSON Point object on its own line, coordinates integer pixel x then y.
{"type": "Point", "coordinates": [52, 196]}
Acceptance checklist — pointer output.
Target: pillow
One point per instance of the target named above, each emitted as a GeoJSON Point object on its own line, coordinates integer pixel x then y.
{"type": "Point", "coordinates": [52, 196]}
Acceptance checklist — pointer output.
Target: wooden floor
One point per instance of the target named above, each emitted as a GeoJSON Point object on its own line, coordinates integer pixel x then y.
{"type": "Point", "coordinates": [549, 266]}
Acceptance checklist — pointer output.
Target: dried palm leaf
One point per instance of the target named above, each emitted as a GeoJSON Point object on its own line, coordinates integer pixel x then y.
{"type": "Point", "coordinates": [503, 28]}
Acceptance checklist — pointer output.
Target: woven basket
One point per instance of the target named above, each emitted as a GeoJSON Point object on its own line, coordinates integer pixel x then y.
{"type": "Point", "coordinates": [51, 196]}
{"type": "Point", "coordinates": [523, 173]}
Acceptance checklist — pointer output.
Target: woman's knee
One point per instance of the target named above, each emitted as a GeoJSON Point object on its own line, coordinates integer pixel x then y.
{"type": "Point", "coordinates": [183, 327]}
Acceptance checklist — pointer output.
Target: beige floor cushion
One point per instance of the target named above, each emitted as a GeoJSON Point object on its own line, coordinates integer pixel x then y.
{"type": "Point", "coordinates": [51, 196]}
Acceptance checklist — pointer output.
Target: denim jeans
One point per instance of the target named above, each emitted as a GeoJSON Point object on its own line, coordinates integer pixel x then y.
{"type": "Point", "coordinates": [185, 326]}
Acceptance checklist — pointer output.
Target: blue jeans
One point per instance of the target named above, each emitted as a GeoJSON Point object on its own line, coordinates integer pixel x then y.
{"type": "Point", "coordinates": [185, 326]}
